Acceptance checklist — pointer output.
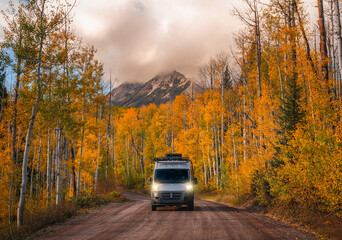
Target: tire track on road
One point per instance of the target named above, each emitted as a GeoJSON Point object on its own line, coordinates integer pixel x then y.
{"type": "Point", "coordinates": [209, 220]}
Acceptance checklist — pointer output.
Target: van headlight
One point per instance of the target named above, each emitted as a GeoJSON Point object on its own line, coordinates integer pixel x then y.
{"type": "Point", "coordinates": [155, 187]}
{"type": "Point", "coordinates": [189, 187]}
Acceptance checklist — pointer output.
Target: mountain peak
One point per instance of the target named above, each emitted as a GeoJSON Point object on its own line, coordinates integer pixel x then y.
{"type": "Point", "coordinates": [171, 73]}
{"type": "Point", "coordinates": [163, 88]}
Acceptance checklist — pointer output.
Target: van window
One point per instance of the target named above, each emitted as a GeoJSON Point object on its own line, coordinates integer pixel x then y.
{"type": "Point", "coordinates": [171, 175]}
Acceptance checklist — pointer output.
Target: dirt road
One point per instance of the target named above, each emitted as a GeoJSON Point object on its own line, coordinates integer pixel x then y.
{"type": "Point", "coordinates": [135, 220]}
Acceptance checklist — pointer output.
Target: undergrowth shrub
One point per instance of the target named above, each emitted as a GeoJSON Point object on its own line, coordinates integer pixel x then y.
{"type": "Point", "coordinates": [133, 181]}
{"type": "Point", "coordinates": [92, 200]}
{"type": "Point", "coordinates": [260, 188]}
{"type": "Point", "coordinates": [37, 217]}
{"type": "Point", "coordinates": [41, 215]}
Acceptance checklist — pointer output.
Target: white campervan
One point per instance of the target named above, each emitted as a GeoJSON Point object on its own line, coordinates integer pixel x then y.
{"type": "Point", "coordinates": [173, 182]}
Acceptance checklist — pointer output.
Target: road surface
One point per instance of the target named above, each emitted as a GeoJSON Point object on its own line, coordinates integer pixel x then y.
{"type": "Point", "coordinates": [135, 220]}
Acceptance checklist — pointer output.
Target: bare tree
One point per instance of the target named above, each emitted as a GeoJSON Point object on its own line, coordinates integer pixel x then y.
{"type": "Point", "coordinates": [251, 19]}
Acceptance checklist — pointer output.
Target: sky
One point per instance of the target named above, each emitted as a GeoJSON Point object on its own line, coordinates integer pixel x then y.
{"type": "Point", "coordinates": [138, 39]}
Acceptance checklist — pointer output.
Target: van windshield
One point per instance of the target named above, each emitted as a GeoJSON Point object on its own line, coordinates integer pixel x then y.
{"type": "Point", "coordinates": [171, 175]}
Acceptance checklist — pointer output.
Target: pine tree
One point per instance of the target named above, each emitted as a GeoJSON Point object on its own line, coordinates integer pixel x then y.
{"type": "Point", "coordinates": [292, 113]}
{"type": "Point", "coordinates": [3, 91]}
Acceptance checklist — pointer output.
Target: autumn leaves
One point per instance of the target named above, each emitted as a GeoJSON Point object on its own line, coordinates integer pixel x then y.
{"type": "Point", "coordinates": [272, 129]}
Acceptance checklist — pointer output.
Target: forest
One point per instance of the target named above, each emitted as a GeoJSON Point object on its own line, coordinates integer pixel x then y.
{"type": "Point", "coordinates": [267, 124]}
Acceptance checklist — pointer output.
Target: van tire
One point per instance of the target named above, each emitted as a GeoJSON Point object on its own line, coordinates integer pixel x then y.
{"type": "Point", "coordinates": [191, 207]}
{"type": "Point", "coordinates": [154, 208]}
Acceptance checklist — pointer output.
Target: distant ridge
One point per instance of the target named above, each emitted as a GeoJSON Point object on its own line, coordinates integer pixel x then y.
{"type": "Point", "coordinates": [163, 88]}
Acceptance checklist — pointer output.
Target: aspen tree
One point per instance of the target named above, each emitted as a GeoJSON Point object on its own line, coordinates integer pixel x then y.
{"type": "Point", "coordinates": [323, 39]}
{"type": "Point", "coordinates": [38, 169]}
{"type": "Point", "coordinates": [339, 44]}
{"type": "Point", "coordinates": [59, 159]}
{"type": "Point", "coordinates": [108, 135]}
{"type": "Point", "coordinates": [97, 169]}
{"type": "Point", "coordinates": [32, 169]}
{"type": "Point", "coordinates": [252, 20]}
{"type": "Point", "coordinates": [48, 168]}
{"type": "Point", "coordinates": [73, 174]}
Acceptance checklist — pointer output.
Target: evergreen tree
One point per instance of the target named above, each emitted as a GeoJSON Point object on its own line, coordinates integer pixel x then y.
{"type": "Point", "coordinates": [227, 81]}
{"type": "Point", "coordinates": [3, 91]}
{"type": "Point", "coordinates": [291, 113]}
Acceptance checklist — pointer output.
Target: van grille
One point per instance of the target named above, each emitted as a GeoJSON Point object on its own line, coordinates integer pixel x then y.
{"type": "Point", "coordinates": [171, 196]}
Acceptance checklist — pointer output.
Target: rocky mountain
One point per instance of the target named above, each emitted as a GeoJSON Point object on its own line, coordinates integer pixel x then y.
{"type": "Point", "coordinates": [161, 89]}
{"type": "Point", "coordinates": [122, 94]}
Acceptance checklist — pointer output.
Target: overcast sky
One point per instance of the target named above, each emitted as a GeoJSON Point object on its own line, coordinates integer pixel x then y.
{"type": "Point", "coordinates": [137, 39]}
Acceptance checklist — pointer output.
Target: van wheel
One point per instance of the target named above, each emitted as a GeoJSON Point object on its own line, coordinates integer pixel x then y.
{"type": "Point", "coordinates": [191, 207]}
{"type": "Point", "coordinates": [154, 208]}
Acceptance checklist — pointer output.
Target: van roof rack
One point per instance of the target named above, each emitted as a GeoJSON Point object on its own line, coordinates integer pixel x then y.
{"type": "Point", "coordinates": [172, 157]}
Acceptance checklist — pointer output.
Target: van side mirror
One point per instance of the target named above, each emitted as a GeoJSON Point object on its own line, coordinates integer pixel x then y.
{"type": "Point", "coordinates": [195, 181]}
{"type": "Point", "coordinates": [149, 181]}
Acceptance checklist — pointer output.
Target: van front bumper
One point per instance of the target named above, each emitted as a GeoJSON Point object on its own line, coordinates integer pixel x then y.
{"type": "Point", "coordinates": [172, 198]}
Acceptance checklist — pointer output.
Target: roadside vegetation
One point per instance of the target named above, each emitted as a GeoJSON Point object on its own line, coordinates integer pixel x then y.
{"type": "Point", "coordinates": [40, 216]}
{"type": "Point", "coordinates": [267, 125]}
{"type": "Point", "coordinates": [324, 226]}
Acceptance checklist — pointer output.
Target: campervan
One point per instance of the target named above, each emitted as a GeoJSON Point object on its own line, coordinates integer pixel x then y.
{"type": "Point", "coordinates": [173, 182]}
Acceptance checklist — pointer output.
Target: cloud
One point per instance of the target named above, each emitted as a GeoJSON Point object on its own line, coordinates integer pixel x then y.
{"type": "Point", "coordinates": [137, 39]}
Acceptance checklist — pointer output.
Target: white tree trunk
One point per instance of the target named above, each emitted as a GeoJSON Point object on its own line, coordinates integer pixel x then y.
{"type": "Point", "coordinates": [53, 167]}
{"type": "Point", "coordinates": [339, 43]}
{"type": "Point", "coordinates": [59, 164]}
{"type": "Point", "coordinates": [127, 158]}
{"type": "Point", "coordinates": [244, 133]}
{"type": "Point", "coordinates": [22, 197]}
{"type": "Point", "coordinates": [48, 167]}
{"type": "Point", "coordinates": [32, 170]}
{"type": "Point", "coordinates": [81, 155]}
{"type": "Point", "coordinates": [114, 155]}
{"type": "Point", "coordinates": [38, 171]}
{"type": "Point", "coordinates": [97, 171]}
{"type": "Point", "coordinates": [236, 164]}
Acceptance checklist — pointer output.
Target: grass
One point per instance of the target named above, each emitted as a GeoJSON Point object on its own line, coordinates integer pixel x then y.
{"type": "Point", "coordinates": [96, 200]}
{"type": "Point", "coordinates": [40, 216]}
{"type": "Point", "coordinates": [223, 198]}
